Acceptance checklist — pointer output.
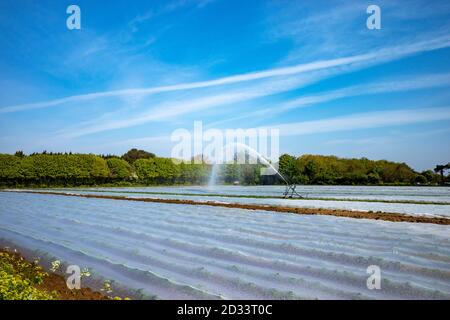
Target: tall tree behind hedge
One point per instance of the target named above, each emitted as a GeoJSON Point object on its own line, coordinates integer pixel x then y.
{"type": "Point", "coordinates": [134, 154]}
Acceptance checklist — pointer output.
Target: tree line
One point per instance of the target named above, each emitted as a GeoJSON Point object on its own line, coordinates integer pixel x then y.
{"type": "Point", "coordinates": [145, 168]}
{"type": "Point", "coordinates": [329, 170]}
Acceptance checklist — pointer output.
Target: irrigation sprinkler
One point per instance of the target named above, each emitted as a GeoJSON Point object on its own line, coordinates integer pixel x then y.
{"type": "Point", "coordinates": [290, 191]}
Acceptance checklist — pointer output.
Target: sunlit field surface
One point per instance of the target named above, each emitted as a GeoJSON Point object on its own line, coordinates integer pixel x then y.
{"type": "Point", "coordinates": [440, 197]}
{"type": "Point", "coordinates": [344, 192]}
{"type": "Point", "coordinates": [173, 251]}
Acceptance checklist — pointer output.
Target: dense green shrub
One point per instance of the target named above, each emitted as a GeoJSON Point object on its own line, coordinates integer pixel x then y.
{"type": "Point", "coordinates": [10, 167]}
{"type": "Point", "coordinates": [146, 169]}
{"type": "Point", "coordinates": [53, 169]}
{"type": "Point", "coordinates": [157, 170]}
{"type": "Point", "coordinates": [315, 169]}
{"type": "Point", "coordinates": [118, 168]}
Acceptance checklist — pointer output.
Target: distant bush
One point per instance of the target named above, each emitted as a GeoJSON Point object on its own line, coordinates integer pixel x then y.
{"type": "Point", "coordinates": [157, 170]}
{"type": "Point", "coordinates": [53, 169]}
{"type": "Point", "coordinates": [317, 169]}
{"type": "Point", "coordinates": [10, 167]}
{"type": "Point", "coordinates": [118, 168]}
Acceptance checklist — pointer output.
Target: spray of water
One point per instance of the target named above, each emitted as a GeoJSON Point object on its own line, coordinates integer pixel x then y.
{"type": "Point", "coordinates": [213, 177]}
{"type": "Point", "coordinates": [252, 152]}
{"type": "Point", "coordinates": [259, 156]}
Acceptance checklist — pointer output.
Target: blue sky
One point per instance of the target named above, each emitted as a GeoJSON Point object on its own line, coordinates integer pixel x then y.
{"type": "Point", "coordinates": [138, 70]}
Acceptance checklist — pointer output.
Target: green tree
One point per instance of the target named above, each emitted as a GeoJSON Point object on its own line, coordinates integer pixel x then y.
{"type": "Point", "coordinates": [441, 169]}
{"type": "Point", "coordinates": [167, 170]}
{"type": "Point", "coordinates": [19, 154]}
{"type": "Point", "coordinates": [10, 169]}
{"type": "Point", "coordinates": [420, 179]}
{"type": "Point", "coordinates": [134, 154]}
{"type": "Point", "coordinates": [287, 167]}
{"type": "Point", "coordinates": [119, 169]}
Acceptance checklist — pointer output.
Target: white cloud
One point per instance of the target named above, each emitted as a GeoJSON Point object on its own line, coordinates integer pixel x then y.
{"type": "Point", "coordinates": [178, 108]}
{"type": "Point", "coordinates": [366, 120]}
{"type": "Point", "coordinates": [396, 85]}
{"type": "Point", "coordinates": [173, 109]}
{"type": "Point", "coordinates": [363, 60]}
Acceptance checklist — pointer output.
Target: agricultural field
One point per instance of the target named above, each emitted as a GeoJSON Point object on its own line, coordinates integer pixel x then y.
{"type": "Point", "coordinates": [176, 251]}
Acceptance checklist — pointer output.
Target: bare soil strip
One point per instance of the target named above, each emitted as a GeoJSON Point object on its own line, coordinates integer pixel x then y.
{"type": "Point", "coordinates": [393, 217]}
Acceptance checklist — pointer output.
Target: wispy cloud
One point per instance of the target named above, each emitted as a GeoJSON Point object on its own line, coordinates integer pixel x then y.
{"type": "Point", "coordinates": [193, 85]}
{"type": "Point", "coordinates": [399, 85]}
{"type": "Point", "coordinates": [327, 27]}
{"type": "Point", "coordinates": [389, 138]}
{"type": "Point", "coordinates": [173, 109]}
{"type": "Point", "coordinates": [363, 60]}
{"type": "Point", "coordinates": [359, 121]}
{"type": "Point", "coordinates": [366, 120]}
{"type": "Point", "coordinates": [167, 8]}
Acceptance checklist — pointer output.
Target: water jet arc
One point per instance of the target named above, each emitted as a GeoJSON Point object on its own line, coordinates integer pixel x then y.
{"type": "Point", "coordinates": [289, 192]}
